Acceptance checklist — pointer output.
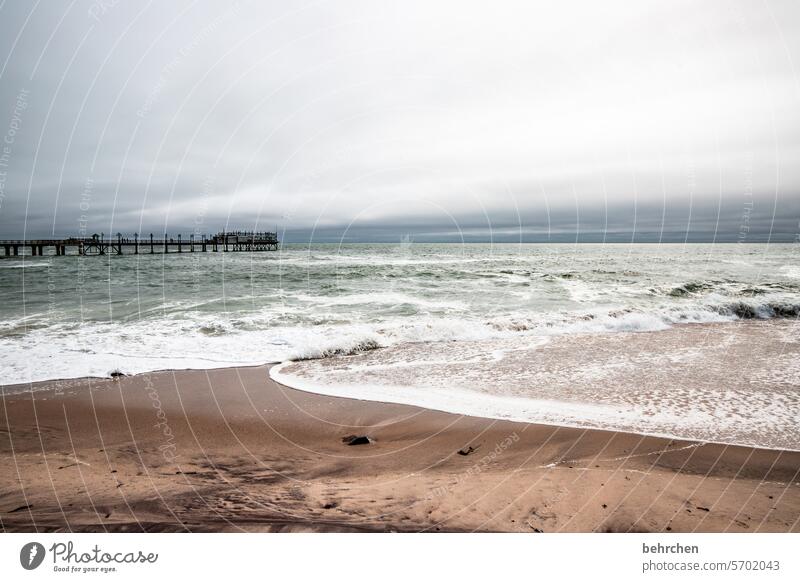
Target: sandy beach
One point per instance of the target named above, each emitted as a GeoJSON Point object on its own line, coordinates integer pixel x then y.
{"type": "Point", "coordinates": [231, 450]}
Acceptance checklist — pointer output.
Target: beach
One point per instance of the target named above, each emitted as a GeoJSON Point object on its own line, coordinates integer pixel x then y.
{"type": "Point", "coordinates": [231, 450]}
{"type": "Point", "coordinates": [508, 388]}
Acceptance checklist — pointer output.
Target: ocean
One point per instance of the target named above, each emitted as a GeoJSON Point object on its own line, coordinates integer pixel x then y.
{"type": "Point", "coordinates": [601, 336]}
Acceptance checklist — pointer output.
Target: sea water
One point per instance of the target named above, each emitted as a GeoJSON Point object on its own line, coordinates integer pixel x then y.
{"type": "Point", "coordinates": [435, 314]}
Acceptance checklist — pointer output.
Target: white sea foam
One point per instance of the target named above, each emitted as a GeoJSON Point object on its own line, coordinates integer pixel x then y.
{"type": "Point", "coordinates": [25, 265]}
{"type": "Point", "coordinates": [711, 384]}
{"type": "Point", "coordinates": [33, 351]}
{"type": "Point", "coordinates": [385, 298]}
{"type": "Point", "coordinates": [791, 271]}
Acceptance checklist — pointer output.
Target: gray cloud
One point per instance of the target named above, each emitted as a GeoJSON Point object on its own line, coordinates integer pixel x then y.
{"type": "Point", "coordinates": [370, 120]}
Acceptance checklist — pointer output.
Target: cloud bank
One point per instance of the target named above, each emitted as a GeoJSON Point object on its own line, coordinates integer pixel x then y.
{"type": "Point", "coordinates": [446, 121]}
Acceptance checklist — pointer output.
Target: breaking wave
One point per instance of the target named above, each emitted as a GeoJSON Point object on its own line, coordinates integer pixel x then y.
{"type": "Point", "coordinates": [327, 302]}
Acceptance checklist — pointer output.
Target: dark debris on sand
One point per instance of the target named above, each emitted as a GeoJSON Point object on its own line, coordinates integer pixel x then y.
{"type": "Point", "coordinates": [353, 440]}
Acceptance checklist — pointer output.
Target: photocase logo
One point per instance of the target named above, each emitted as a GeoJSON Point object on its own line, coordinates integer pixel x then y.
{"type": "Point", "coordinates": [31, 555]}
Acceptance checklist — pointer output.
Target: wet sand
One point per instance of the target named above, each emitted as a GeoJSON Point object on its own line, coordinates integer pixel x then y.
{"type": "Point", "coordinates": [231, 450]}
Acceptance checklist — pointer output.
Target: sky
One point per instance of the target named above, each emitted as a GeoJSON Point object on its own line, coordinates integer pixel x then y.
{"type": "Point", "coordinates": [374, 120]}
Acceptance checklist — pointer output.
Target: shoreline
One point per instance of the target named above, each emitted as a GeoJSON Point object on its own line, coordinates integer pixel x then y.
{"type": "Point", "coordinates": [53, 385]}
{"type": "Point", "coordinates": [509, 418]}
{"type": "Point", "coordinates": [229, 449]}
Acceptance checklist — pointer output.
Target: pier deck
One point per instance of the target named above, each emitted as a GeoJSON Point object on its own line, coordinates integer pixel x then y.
{"type": "Point", "coordinates": [97, 245]}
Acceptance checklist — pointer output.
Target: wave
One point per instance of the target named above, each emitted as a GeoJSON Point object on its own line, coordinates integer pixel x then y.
{"type": "Point", "coordinates": [358, 339]}
{"type": "Point", "coordinates": [690, 288]}
{"type": "Point", "coordinates": [694, 289]}
{"type": "Point", "coordinates": [632, 319]}
{"type": "Point", "coordinates": [25, 265]}
{"type": "Point", "coordinates": [770, 310]}
{"type": "Point", "coordinates": [351, 349]}
{"type": "Point", "coordinates": [37, 348]}
{"type": "Point", "coordinates": [382, 298]}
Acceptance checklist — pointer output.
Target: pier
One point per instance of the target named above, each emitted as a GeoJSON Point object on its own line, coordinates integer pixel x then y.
{"type": "Point", "coordinates": [98, 245]}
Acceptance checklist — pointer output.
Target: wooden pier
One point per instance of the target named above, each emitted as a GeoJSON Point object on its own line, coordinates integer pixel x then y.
{"type": "Point", "coordinates": [97, 245]}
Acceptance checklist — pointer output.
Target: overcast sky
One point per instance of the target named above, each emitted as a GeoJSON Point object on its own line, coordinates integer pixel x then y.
{"type": "Point", "coordinates": [372, 120]}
